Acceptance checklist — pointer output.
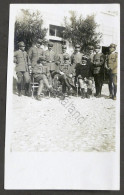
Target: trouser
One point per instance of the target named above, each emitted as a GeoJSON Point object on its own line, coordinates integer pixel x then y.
{"type": "Point", "coordinates": [23, 75]}
{"type": "Point", "coordinates": [112, 84]}
{"type": "Point", "coordinates": [98, 78]}
{"type": "Point", "coordinates": [65, 82]}
{"type": "Point", "coordinates": [85, 84]}
{"type": "Point", "coordinates": [42, 79]}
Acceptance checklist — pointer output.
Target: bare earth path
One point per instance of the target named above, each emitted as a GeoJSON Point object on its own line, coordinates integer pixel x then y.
{"type": "Point", "coordinates": [51, 125]}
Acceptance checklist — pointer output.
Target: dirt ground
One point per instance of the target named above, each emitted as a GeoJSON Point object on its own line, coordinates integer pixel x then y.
{"type": "Point", "coordinates": [72, 125]}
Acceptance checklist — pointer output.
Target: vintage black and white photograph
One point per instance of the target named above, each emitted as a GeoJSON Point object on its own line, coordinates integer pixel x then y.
{"type": "Point", "coordinates": [63, 78]}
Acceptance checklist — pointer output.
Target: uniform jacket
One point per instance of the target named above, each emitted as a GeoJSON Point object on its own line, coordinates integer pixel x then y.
{"type": "Point", "coordinates": [84, 70]}
{"type": "Point", "coordinates": [76, 58]}
{"type": "Point", "coordinates": [91, 57]}
{"type": "Point", "coordinates": [65, 67]}
{"type": "Point", "coordinates": [112, 61]}
{"type": "Point", "coordinates": [21, 60]}
{"type": "Point", "coordinates": [34, 54]}
{"type": "Point", "coordinates": [51, 59]}
{"type": "Point", "coordinates": [60, 59]}
{"type": "Point", "coordinates": [39, 69]}
{"type": "Point", "coordinates": [98, 61]}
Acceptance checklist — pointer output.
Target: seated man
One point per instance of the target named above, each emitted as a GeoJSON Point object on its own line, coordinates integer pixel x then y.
{"type": "Point", "coordinates": [65, 75]}
{"type": "Point", "coordinates": [40, 73]}
{"type": "Point", "coordinates": [84, 74]}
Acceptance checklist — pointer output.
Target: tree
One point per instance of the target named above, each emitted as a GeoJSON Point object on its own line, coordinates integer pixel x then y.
{"type": "Point", "coordinates": [29, 27]}
{"type": "Point", "coordinates": [81, 31]}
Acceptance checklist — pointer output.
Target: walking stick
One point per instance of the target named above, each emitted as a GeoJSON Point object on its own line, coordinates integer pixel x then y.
{"type": "Point", "coordinates": [77, 87]}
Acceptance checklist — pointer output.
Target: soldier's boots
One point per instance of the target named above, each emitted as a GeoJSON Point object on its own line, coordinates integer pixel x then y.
{"type": "Point", "coordinates": [114, 98]}
{"type": "Point", "coordinates": [19, 89]}
{"type": "Point", "coordinates": [89, 93]}
{"type": "Point", "coordinates": [27, 93]}
{"type": "Point", "coordinates": [98, 96]}
{"type": "Point", "coordinates": [38, 97]}
{"type": "Point", "coordinates": [62, 97]}
{"type": "Point", "coordinates": [110, 96]}
{"type": "Point", "coordinates": [53, 92]}
{"type": "Point", "coordinates": [83, 94]}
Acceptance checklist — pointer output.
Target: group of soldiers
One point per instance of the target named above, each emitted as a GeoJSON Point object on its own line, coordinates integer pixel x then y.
{"type": "Point", "coordinates": [76, 73]}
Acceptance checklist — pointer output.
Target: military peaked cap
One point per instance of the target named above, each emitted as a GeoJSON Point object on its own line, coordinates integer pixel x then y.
{"type": "Point", "coordinates": [39, 41]}
{"type": "Point", "coordinates": [84, 58]}
{"type": "Point", "coordinates": [112, 45]}
{"type": "Point", "coordinates": [21, 44]}
{"type": "Point", "coordinates": [66, 57]}
{"type": "Point", "coordinates": [97, 47]}
{"type": "Point", "coordinates": [64, 47]}
{"type": "Point", "coordinates": [91, 47]}
{"type": "Point", "coordinates": [50, 44]}
{"type": "Point", "coordinates": [77, 46]}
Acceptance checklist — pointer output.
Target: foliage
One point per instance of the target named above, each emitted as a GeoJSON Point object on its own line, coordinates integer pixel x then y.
{"type": "Point", "coordinates": [81, 31]}
{"type": "Point", "coordinates": [28, 27]}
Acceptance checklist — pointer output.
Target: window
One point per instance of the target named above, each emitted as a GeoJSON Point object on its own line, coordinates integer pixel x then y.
{"type": "Point", "coordinates": [56, 31]}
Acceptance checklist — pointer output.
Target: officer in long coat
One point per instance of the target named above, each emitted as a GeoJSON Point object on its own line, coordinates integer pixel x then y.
{"type": "Point", "coordinates": [21, 61]}
{"type": "Point", "coordinates": [35, 52]}
{"type": "Point", "coordinates": [98, 62]}
{"type": "Point", "coordinates": [112, 62]}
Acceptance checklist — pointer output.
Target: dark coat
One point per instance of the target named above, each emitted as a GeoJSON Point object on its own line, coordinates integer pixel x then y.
{"type": "Point", "coordinates": [83, 71]}
{"type": "Point", "coordinates": [98, 61]}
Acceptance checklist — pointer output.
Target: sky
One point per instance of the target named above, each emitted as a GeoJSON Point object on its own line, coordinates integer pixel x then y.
{"type": "Point", "coordinates": [63, 9]}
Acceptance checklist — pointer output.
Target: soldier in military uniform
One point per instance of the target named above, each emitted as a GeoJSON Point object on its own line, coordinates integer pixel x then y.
{"type": "Point", "coordinates": [51, 61]}
{"type": "Point", "coordinates": [98, 62]}
{"type": "Point", "coordinates": [35, 52]}
{"type": "Point", "coordinates": [76, 56]}
{"type": "Point", "coordinates": [112, 67]}
{"type": "Point", "coordinates": [41, 73]}
{"type": "Point", "coordinates": [91, 55]}
{"type": "Point", "coordinates": [84, 74]}
{"type": "Point", "coordinates": [21, 60]}
{"type": "Point", "coordinates": [61, 56]}
{"type": "Point", "coordinates": [65, 75]}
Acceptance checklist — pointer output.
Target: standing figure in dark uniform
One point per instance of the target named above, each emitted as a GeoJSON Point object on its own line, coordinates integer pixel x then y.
{"type": "Point", "coordinates": [21, 60]}
{"type": "Point", "coordinates": [35, 52]}
{"type": "Point", "coordinates": [98, 62]}
{"type": "Point", "coordinates": [112, 68]}
{"type": "Point", "coordinates": [84, 73]}
{"type": "Point", "coordinates": [51, 61]}
{"type": "Point", "coordinates": [40, 73]}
